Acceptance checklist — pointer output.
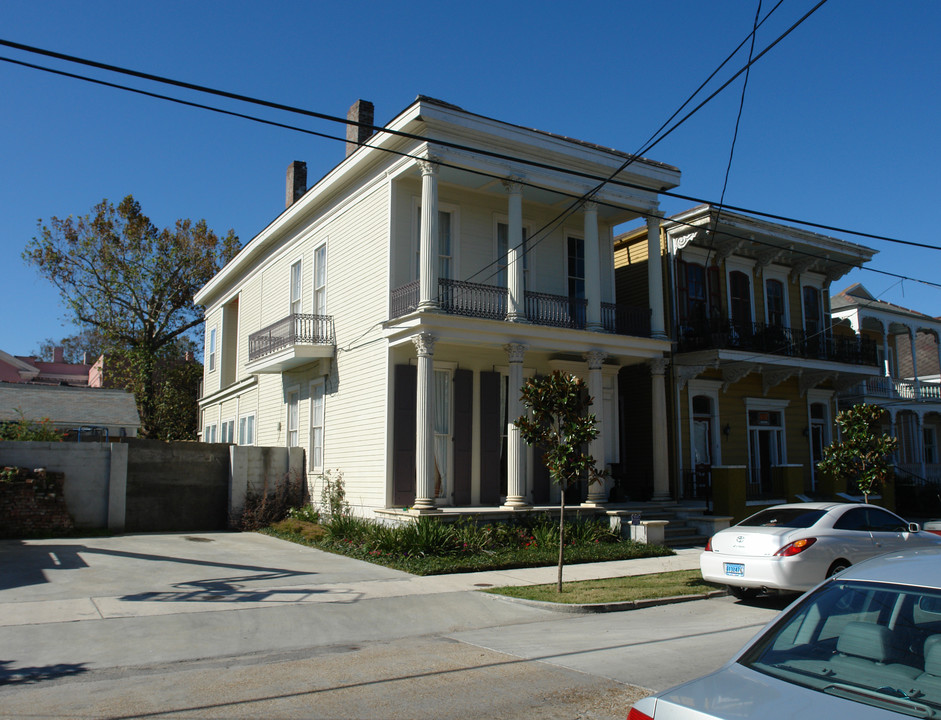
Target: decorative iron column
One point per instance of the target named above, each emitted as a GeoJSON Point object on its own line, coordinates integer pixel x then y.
{"type": "Point", "coordinates": [661, 477]}
{"type": "Point", "coordinates": [515, 446]}
{"type": "Point", "coordinates": [592, 270]}
{"type": "Point", "coordinates": [424, 424]}
{"type": "Point", "coordinates": [885, 351]}
{"type": "Point", "coordinates": [655, 277]}
{"type": "Point", "coordinates": [428, 237]}
{"type": "Point", "coordinates": [597, 492]}
{"type": "Point", "coordinates": [515, 270]}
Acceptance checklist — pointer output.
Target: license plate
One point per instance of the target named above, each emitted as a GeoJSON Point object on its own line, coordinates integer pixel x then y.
{"type": "Point", "coordinates": [735, 569]}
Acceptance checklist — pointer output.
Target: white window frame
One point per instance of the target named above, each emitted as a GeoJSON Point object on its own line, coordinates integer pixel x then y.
{"type": "Point", "coordinates": [734, 264]}
{"type": "Point", "coordinates": [710, 389]}
{"type": "Point", "coordinates": [825, 398]}
{"type": "Point", "coordinates": [209, 433]}
{"type": "Point", "coordinates": [296, 302]}
{"type": "Point", "coordinates": [321, 265]}
{"type": "Point", "coordinates": [212, 349]}
{"type": "Point", "coordinates": [817, 282]}
{"type": "Point", "coordinates": [781, 276]}
{"type": "Point", "coordinates": [769, 405]}
{"type": "Point", "coordinates": [246, 429]}
{"type": "Point", "coordinates": [455, 212]}
{"type": "Point", "coordinates": [227, 431]}
{"type": "Point", "coordinates": [296, 392]}
{"type": "Point", "coordinates": [317, 388]}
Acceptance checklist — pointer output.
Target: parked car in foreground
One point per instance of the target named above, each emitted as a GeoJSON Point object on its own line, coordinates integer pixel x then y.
{"type": "Point", "coordinates": [865, 644]}
{"type": "Point", "coordinates": [793, 547]}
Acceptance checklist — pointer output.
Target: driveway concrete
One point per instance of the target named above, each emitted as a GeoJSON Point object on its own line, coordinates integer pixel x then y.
{"type": "Point", "coordinates": [243, 625]}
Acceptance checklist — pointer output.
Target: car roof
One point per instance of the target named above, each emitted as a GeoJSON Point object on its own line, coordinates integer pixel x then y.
{"type": "Point", "coordinates": [811, 506]}
{"type": "Point", "coordinates": [920, 567]}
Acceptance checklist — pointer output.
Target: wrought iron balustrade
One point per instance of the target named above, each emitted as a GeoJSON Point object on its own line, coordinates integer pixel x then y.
{"type": "Point", "coordinates": [556, 310]}
{"type": "Point", "coordinates": [457, 297]}
{"type": "Point", "coordinates": [295, 329]}
{"type": "Point", "coordinates": [774, 340]}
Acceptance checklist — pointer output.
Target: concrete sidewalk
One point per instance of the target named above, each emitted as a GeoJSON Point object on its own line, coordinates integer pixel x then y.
{"type": "Point", "coordinates": [58, 581]}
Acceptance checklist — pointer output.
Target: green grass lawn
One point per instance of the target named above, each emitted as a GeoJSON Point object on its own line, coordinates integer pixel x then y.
{"type": "Point", "coordinates": [610, 590]}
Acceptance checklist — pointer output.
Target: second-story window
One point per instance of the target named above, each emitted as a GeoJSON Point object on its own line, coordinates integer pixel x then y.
{"type": "Point", "coordinates": [576, 281]}
{"type": "Point", "coordinates": [740, 299]}
{"type": "Point", "coordinates": [296, 288]}
{"type": "Point", "coordinates": [445, 246]}
{"type": "Point", "coordinates": [320, 280]}
{"type": "Point", "coordinates": [212, 349]}
{"type": "Point", "coordinates": [697, 293]}
{"type": "Point", "coordinates": [813, 320]}
{"type": "Point", "coordinates": [774, 297]}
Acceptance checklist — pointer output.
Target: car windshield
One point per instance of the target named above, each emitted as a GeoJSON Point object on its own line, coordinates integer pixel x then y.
{"type": "Point", "coordinates": [784, 517]}
{"type": "Point", "coordinates": [872, 643]}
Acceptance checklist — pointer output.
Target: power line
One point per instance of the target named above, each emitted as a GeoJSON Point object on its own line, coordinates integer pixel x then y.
{"type": "Point", "coordinates": [344, 121]}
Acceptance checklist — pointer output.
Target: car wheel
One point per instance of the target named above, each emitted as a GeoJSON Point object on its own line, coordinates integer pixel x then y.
{"type": "Point", "coordinates": [743, 593]}
{"type": "Point", "coordinates": [837, 566]}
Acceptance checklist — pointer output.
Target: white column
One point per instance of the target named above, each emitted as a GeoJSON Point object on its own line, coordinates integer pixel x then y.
{"type": "Point", "coordinates": [424, 424]}
{"type": "Point", "coordinates": [515, 446]}
{"type": "Point", "coordinates": [597, 492]}
{"type": "Point", "coordinates": [428, 238]}
{"type": "Point", "coordinates": [661, 477]}
{"type": "Point", "coordinates": [655, 278]}
{"type": "Point", "coordinates": [592, 269]}
{"type": "Point", "coordinates": [515, 270]}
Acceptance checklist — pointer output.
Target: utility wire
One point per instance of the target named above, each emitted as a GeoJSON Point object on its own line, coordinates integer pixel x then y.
{"type": "Point", "coordinates": [333, 118]}
{"type": "Point", "coordinates": [738, 120]}
{"type": "Point", "coordinates": [477, 172]}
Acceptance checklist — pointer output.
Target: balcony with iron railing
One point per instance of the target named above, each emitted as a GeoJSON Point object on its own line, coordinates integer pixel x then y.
{"type": "Point", "coordinates": [457, 297]}
{"type": "Point", "coordinates": [293, 341]}
{"type": "Point", "coordinates": [774, 340]}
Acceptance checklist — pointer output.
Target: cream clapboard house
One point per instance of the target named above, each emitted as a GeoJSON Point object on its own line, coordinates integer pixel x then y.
{"type": "Point", "coordinates": [386, 320]}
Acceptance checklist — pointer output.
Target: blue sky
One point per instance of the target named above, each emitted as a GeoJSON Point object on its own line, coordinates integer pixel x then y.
{"type": "Point", "coordinates": [840, 124]}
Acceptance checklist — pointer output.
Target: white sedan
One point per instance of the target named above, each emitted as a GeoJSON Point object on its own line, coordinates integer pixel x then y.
{"type": "Point", "coordinates": [793, 547]}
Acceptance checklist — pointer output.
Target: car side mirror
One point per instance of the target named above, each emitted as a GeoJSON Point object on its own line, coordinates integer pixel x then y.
{"type": "Point", "coordinates": [913, 527]}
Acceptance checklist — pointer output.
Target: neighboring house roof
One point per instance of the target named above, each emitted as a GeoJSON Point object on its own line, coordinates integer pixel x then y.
{"type": "Point", "coordinates": [25, 368]}
{"type": "Point", "coordinates": [68, 406]}
{"type": "Point", "coordinates": [858, 296]}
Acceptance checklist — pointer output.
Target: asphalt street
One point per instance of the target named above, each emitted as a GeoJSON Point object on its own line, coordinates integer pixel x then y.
{"type": "Point", "coordinates": [219, 625]}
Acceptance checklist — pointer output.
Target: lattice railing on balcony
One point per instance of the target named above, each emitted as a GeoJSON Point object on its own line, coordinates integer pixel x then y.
{"type": "Point", "coordinates": [295, 329]}
{"type": "Point", "coordinates": [556, 310]}
{"type": "Point", "coordinates": [472, 299]}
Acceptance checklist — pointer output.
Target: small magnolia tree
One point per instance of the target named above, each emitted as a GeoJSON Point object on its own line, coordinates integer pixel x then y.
{"type": "Point", "coordinates": [862, 455]}
{"type": "Point", "coordinates": [558, 421]}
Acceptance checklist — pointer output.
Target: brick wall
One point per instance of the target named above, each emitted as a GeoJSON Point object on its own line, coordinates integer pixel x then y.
{"type": "Point", "coordinates": [32, 503]}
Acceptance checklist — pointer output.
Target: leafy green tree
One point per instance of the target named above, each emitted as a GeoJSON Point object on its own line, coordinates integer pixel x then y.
{"type": "Point", "coordinates": [559, 421]}
{"type": "Point", "coordinates": [24, 429]}
{"type": "Point", "coordinates": [861, 456]}
{"type": "Point", "coordinates": [119, 273]}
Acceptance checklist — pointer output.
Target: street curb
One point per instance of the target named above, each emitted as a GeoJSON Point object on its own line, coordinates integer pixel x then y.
{"type": "Point", "coordinates": [590, 608]}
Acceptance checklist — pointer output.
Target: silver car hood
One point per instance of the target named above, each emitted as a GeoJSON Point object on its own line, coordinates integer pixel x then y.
{"type": "Point", "coordinates": [737, 692]}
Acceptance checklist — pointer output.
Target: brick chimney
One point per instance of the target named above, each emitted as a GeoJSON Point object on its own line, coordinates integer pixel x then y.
{"type": "Point", "coordinates": [296, 184]}
{"type": "Point", "coordinates": [361, 111]}
{"type": "Point", "coordinates": [58, 354]}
